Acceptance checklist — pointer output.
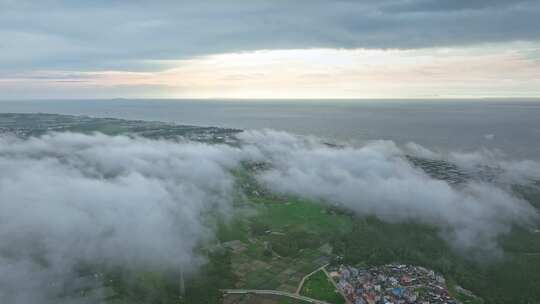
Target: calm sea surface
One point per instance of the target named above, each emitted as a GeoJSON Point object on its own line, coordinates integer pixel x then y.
{"type": "Point", "coordinates": [511, 126]}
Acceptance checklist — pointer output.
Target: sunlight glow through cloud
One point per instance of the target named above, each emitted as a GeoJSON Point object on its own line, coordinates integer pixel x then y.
{"type": "Point", "coordinates": [481, 71]}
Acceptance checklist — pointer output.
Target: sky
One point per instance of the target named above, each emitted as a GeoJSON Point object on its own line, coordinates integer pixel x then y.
{"type": "Point", "coordinates": [269, 49]}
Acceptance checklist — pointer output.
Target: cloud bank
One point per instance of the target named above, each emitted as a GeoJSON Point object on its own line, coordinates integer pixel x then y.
{"type": "Point", "coordinates": [377, 180]}
{"type": "Point", "coordinates": [104, 35]}
{"type": "Point", "coordinates": [119, 201]}
{"type": "Point", "coordinates": [115, 201]}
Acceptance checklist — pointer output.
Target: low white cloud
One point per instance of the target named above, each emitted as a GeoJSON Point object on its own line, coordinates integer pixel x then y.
{"type": "Point", "coordinates": [484, 164]}
{"type": "Point", "coordinates": [71, 198]}
{"type": "Point", "coordinates": [377, 179]}
{"type": "Point", "coordinates": [68, 198]}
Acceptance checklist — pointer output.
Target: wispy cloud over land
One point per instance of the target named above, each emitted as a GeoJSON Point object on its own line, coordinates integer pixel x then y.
{"type": "Point", "coordinates": [376, 179]}
{"type": "Point", "coordinates": [133, 202]}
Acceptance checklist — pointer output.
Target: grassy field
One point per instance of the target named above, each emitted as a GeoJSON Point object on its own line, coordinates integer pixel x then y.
{"type": "Point", "coordinates": [318, 286]}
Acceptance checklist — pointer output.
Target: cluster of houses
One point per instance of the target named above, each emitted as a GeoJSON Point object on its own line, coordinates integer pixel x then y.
{"type": "Point", "coordinates": [391, 284]}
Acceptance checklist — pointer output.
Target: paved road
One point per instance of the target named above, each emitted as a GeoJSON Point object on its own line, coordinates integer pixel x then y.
{"type": "Point", "coordinates": [273, 292]}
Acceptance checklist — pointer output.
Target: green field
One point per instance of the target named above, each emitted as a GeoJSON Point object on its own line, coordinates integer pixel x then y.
{"type": "Point", "coordinates": [318, 286]}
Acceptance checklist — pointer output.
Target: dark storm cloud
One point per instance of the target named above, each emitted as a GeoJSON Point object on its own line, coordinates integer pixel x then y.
{"type": "Point", "coordinates": [122, 34]}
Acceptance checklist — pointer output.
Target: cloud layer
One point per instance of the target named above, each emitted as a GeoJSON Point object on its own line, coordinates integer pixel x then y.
{"type": "Point", "coordinates": [376, 179]}
{"type": "Point", "coordinates": [118, 201]}
{"type": "Point", "coordinates": [104, 35]}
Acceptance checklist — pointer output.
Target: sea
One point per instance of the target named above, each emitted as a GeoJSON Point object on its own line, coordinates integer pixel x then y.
{"type": "Point", "coordinates": [510, 127]}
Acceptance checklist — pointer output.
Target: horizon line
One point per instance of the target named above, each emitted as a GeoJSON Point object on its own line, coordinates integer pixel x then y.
{"type": "Point", "coordinates": [531, 98]}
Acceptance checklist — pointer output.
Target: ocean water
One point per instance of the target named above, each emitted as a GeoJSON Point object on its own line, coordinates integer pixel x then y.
{"type": "Point", "coordinates": [509, 126]}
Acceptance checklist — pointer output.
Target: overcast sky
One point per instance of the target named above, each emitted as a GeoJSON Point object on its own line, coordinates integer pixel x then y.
{"type": "Point", "coordinates": [269, 49]}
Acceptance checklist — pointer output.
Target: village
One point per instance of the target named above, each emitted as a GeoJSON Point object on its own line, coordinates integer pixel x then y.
{"type": "Point", "coordinates": [392, 283]}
